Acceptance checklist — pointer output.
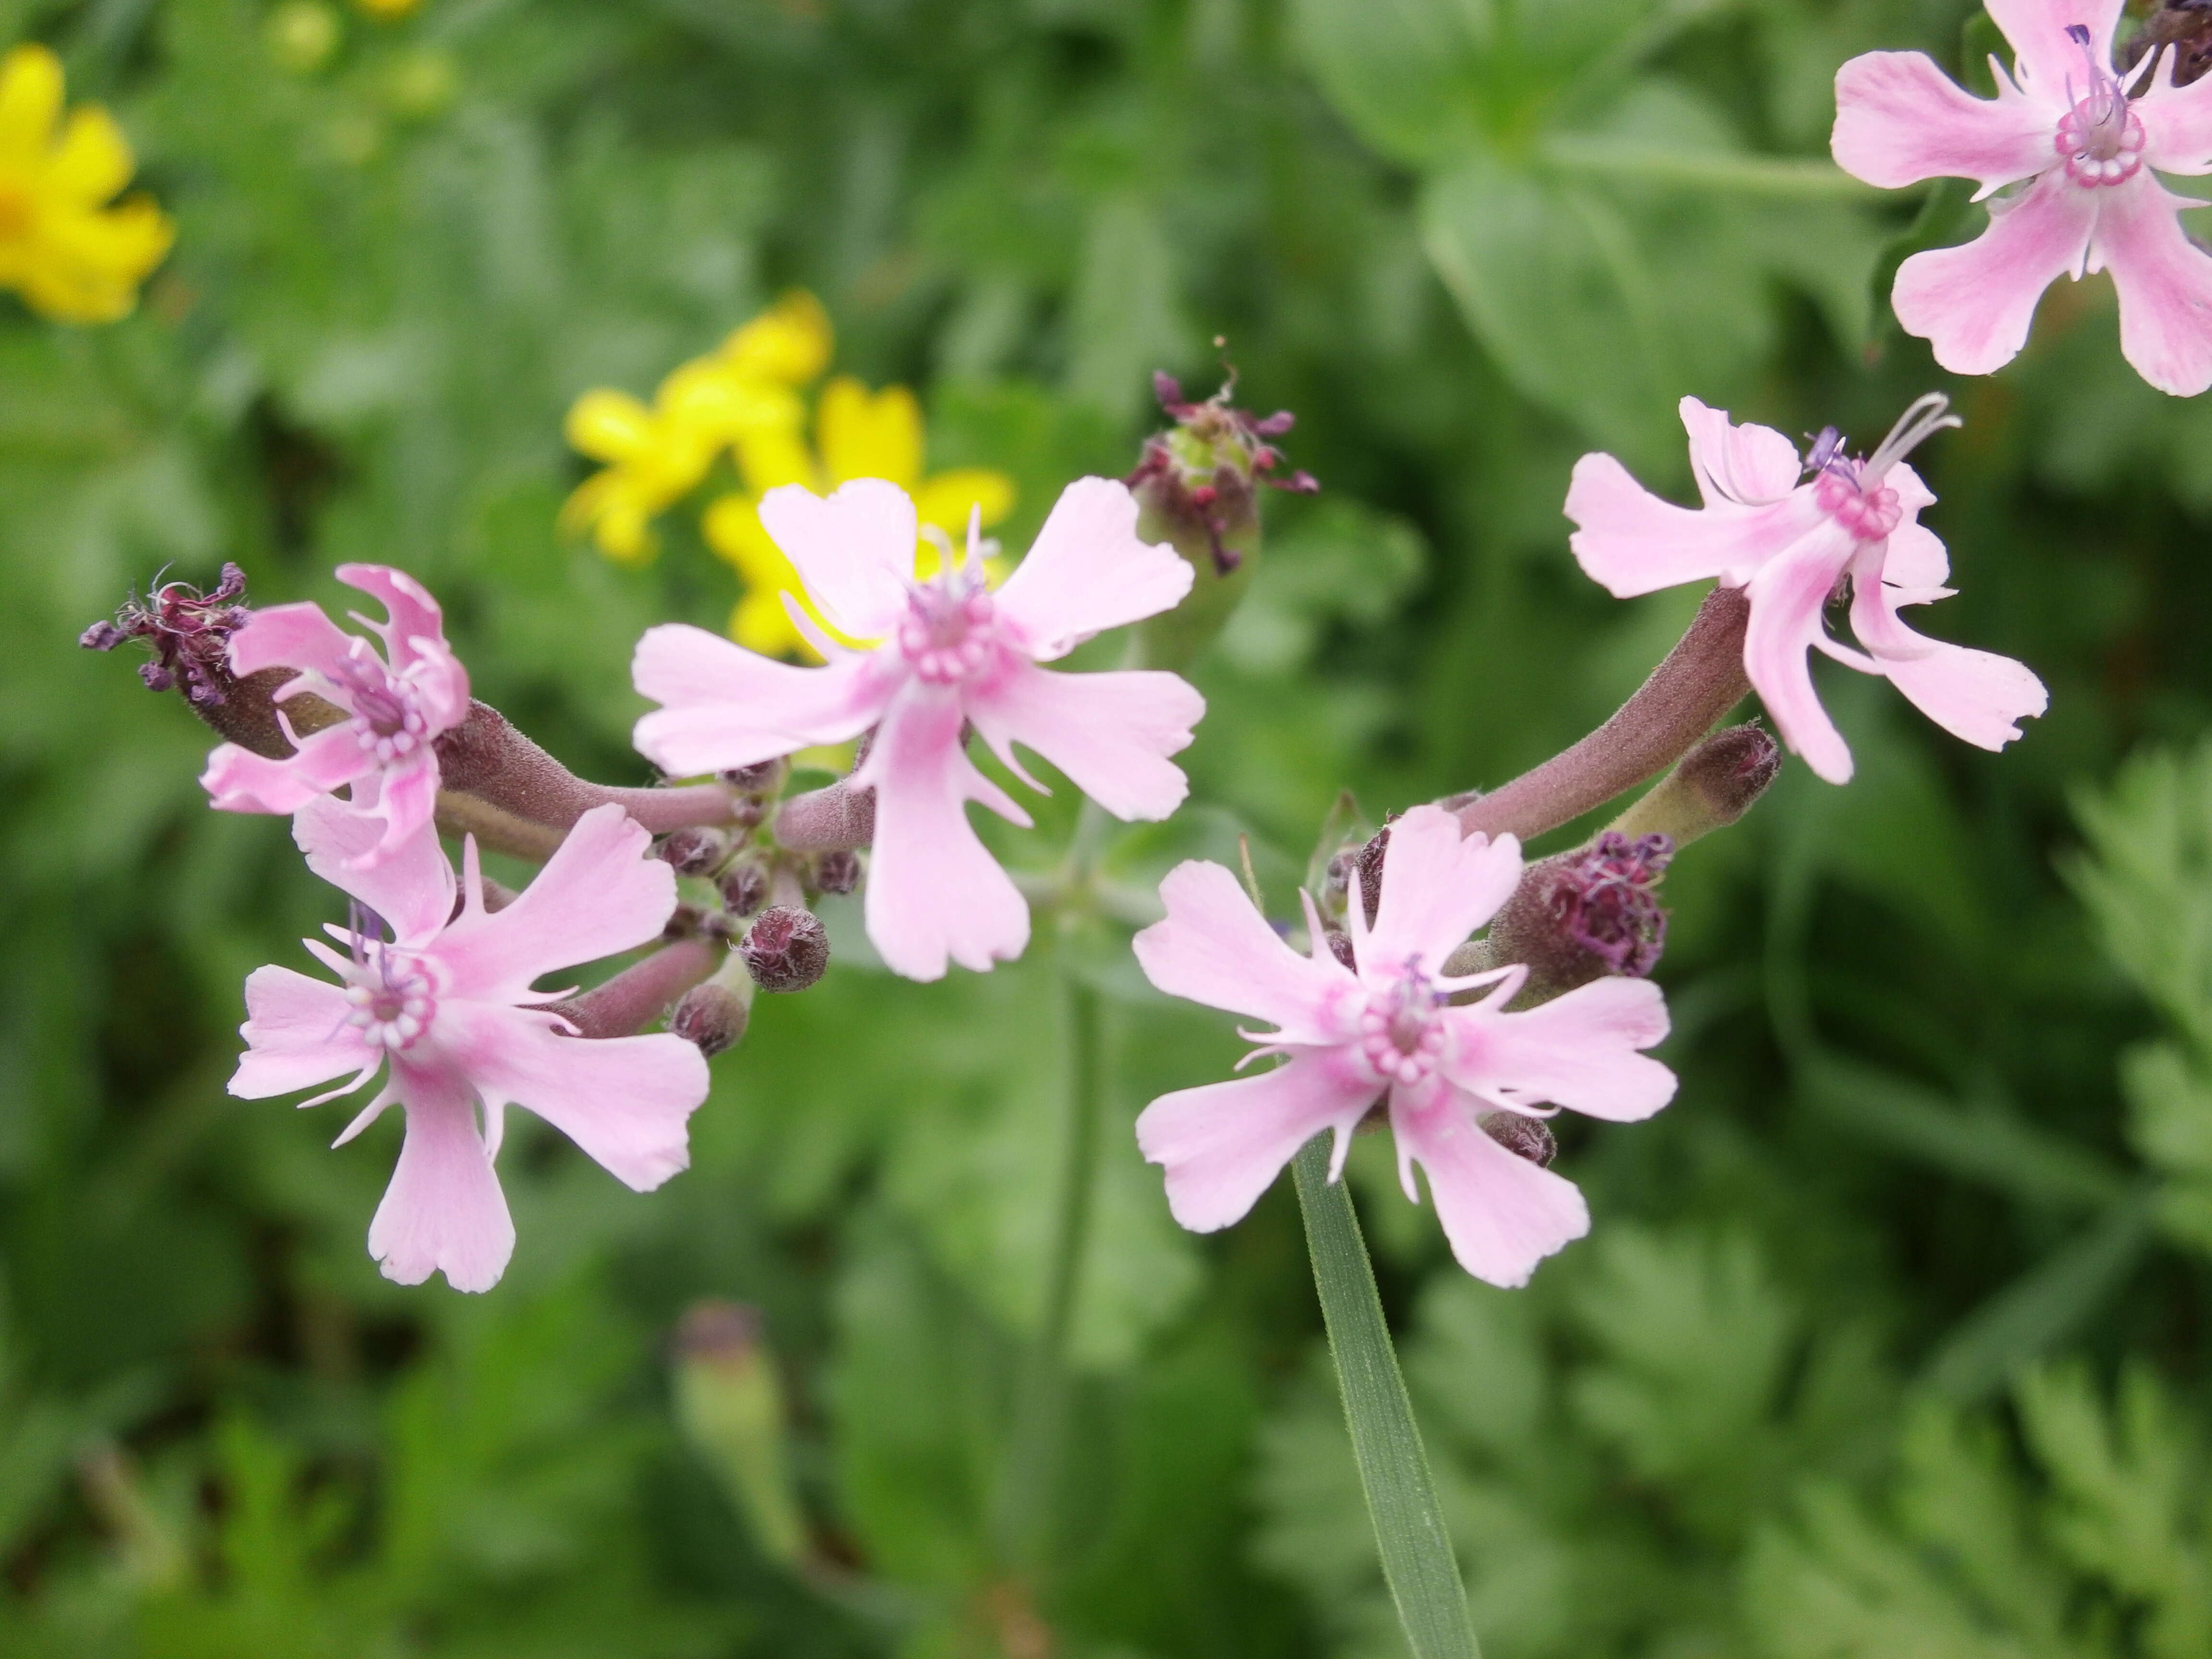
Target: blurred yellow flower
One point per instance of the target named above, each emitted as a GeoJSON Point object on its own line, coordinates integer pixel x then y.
{"type": "Point", "coordinates": [71, 255]}
{"type": "Point", "coordinates": [387, 8]}
{"type": "Point", "coordinates": [859, 434]}
{"type": "Point", "coordinates": [743, 395]}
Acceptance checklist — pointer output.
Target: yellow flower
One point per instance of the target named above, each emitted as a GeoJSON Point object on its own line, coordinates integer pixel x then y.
{"type": "Point", "coordinates": [861, 435]}
{"type": "Point", "coordinates": [387, 10]}
{"type": "Point", "coordinates": [743, 395]}
{"type": "Point", "coordinates": [69, 254]}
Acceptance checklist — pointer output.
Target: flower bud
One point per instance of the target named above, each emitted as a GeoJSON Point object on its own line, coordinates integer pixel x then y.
{"type": "Point", "coordinates": [744, 888]}
{"type": "Point", "coordinates": [1367, 863]}
{"type": "Point", "coordinates": [695, 851]}
{"type": "Point", "coordinates": [1584, 914]}
{"type": "Point", "coordinates": [2184, 28]}
{"type": "Point", "coordinates": [712, 1016]}
{"type": "Point", "coordinates": [729, 1403]}
{"type": "Point", "coordinates": [786, 949]}
{"type": "Point", "coordinates": [1524, 1137]}
{"type": "Point", "coordinates": [1197, 486]}
{"type": "Point", "coordinates": [837, 871]}
{"type": "Point", "coordinates": [760, 778]}
{"type": "Point", "coordinates": [1712, 785]}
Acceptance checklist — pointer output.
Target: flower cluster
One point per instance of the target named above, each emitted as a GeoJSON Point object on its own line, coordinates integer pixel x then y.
{"type": "Point", "coordinates": [73, 252]}
{"type": "Point", "coordinates": [745, 399]}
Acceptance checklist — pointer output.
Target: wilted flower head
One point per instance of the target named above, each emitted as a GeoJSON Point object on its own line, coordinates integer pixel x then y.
{"type": "Point", "coordinates": [2084, 148]}
{"type": "Point", "coordinates": [1794, 535]}
{"type": "Point", "coordinates": [948, 653]}
{"type": "Point", "coordinates": [1203, 470]}
{"type": "Point", "coordinates": [395, 705]}
{"type": "Point", "coordinates": [446, 1004]}
{"type": "Point", "coordinates": [1385, 1030]}
{"type": "Point", "coordinates": [190, 633]}
{"type": "Point", "coordinates": [70, 254]}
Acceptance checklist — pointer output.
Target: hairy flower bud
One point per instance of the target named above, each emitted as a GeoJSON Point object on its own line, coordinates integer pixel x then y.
{"type": "Point", "coordinates": [1712, 785]}
{"type": "Point", "coordinates": [786, 949]}
{"type": "Point", "coordinates": [1368, 864]}
{"type": "Point", "coordinates": [1524, 1137]}
{"type": "Point", "coordinates": [712, 1016]}
{"type": "Point", "coordinates": [744, 888]}
{"type": "Point", "coordinates": [695, 851]}
{"type": "Point", "coordinates": [2184, 28]}
{"type": "Point", "coordinates": [837, 871]}
{"type": "Point", "coordinates": [1197, 485]}
{"type": "Point", "coordinates": [1585, 914]}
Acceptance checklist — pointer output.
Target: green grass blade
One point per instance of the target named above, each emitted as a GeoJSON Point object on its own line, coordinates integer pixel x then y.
{"type": "Point", "coordinates": [1393, 1470]}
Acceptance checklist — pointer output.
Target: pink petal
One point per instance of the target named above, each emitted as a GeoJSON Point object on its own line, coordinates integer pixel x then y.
{"type": "Point", "coordinates": [1579, 1050]}
{"type": "Point", "coordinates": [1438, 886]}
{"type": "Point", "coordinates": [1629, 541]}
{"type": "Point", "coordinates": [2044, 56]}
{"type": "Point", "coordinates": [726, 707]}
{"type": "Point", "coordinates": [296, 1035]}
{"type": "Point", "coordinates": [1087, 572]}
{"type": "Point", "coordinates": [1111, 732]}
{"type": "Point", "coordinates": [1899, 119]}
{"type": "Point", "coordinates": [599, 893]}
{"type": "Point", "coordinates": [1222, 1145]}
{"type": "Point", "coordinates": [410, 615]}
{"type": "Point", "coordinates": [444, 1210]}
{"type": "Point", "coordinates": [1976, 696]}
{"type": "Point", "coordinates": [1787, 599]}
{"type": "Point", "coordinates": [289, 636]}
{"type": "Point", "coordinates": [1502, 1213]}
{"type": "Point", "coordinates": [1915, 562]}
{"type": "Point", "coordinates": [2165, 283]}
{"type": "Point", "coordinates": [1746, 464]}
{"type": "Point", "coordinates": [239, 781]}
{"type": "Point", "coordinates": [411, 887]}
{"type": "Point", "coordinates": [1215, 948]}
{"type": "Point", "coordinates": [625, 1101]}
{"type": "Point", "coordinates": [934, 891]}
{"type": "Point", "coordinates": [2177, 123]}
{"type": "Point", "coordinates": [406, 801]}
{"type": "Point", "coordinates": [1974, 303]}
{"type": "Point", "coordinates": [854, 550]}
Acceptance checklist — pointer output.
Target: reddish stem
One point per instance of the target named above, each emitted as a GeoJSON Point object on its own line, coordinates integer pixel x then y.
{"type": "Point", "coordinates": [644, 990]}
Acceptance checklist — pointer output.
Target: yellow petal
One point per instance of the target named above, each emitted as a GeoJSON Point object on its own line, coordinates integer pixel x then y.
{"type": "Point", "coordinates": [760, 623]}
{"type": "Point", "coordinates": [864, 436]}
{"type": "Point", "coordinates": [608, 425]}
{"type": "Point", "coordinates": [30, 104]}
{"type": "Point", "coordinates": [789, 342]}
{"type": "Point", "coordinates": [945, 500]}
{"type": "Point", "coordinates": [774, 456]}
{"type": "Point", "coordinates": [93, 160]}
{"type": "Point", "coordinates": [733, 530]}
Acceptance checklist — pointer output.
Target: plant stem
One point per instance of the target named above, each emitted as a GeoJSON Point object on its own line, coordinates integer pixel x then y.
{"type": "Point", "coordinates": [1701, 679]}
{"type": "Point", "coordinates": [1785, 178]}
{"type": "Point", "coordinates": [1386, 1442]}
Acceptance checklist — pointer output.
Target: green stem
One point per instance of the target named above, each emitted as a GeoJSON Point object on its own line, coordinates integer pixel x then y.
{"type": "Point", "coordinates": [1772, 177]}
{"type": "Point", "coordinates": [1393, 1470]}
{"type": "Point", "coordinates": [1085, 1057]}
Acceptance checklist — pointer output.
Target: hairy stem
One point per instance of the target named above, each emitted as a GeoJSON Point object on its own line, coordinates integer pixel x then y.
{"type": "Point", "coordinates": [1701, 679]}
{"type": "Point", "coordinates": [639, 996]}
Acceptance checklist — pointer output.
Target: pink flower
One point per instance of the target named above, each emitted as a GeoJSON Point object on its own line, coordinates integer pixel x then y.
{"type": "Point", "coordinates": [2085, 157]}
{"type": "Point", "coordinates": [1792, 546]}
{"type": "Point", "coordinates": [446, 1001]}
{"type": "Point", "coordinates": [948, 655]}
{"type": "Point", "coordinates": [1386, 1032]}
{"type": "Point", "coordinates": [396, 706]}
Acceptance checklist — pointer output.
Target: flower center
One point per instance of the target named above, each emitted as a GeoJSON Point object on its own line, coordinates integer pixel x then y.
{"type": "Point", "coordinates": [1402, 1032]}
{"type": "Point", "coordinates": [2100, 138]}
{"type": "Point", "coordinates": [388, 720]}
{"type": "Point", "coordinates": [947, 635]}
{"type": "Point", "coordinates": [1868, 514]}
{"type": "Point", "coordinates": [389, 998]}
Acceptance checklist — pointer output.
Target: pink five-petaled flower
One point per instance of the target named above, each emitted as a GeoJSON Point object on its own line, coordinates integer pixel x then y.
{"type": "Point", "coordinates": [396, 706]}
{"type": "Point", "coordinates": [950, 654]}
{"type": "Point", "coordinates": [446, 1001]}
{"type": "Point", "coordinates": [1354, 1037]}
{"type": "Point", "coordinates": [2085, 156]}
{"type": "Point", "coordinates": [1791, 545]}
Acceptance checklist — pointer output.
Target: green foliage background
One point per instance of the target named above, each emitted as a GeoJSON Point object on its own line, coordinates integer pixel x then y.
{"type": "Point", "coordinates": [1890, 1341]}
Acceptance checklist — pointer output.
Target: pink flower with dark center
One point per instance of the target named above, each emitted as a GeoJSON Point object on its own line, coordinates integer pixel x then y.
{"type": "Point", "coordinates": [396, 706]}
{"type": "Point", "coordinates": [947, 655]}
{"type": "Point", "coordinates": [2081, 156]}
{"type": "Point", "coordinates": [1385, 1031]}
{"type": "Point", "coordinates": [446, 1004]}
{"type": "Point", "coordinates": [1794, 542]}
